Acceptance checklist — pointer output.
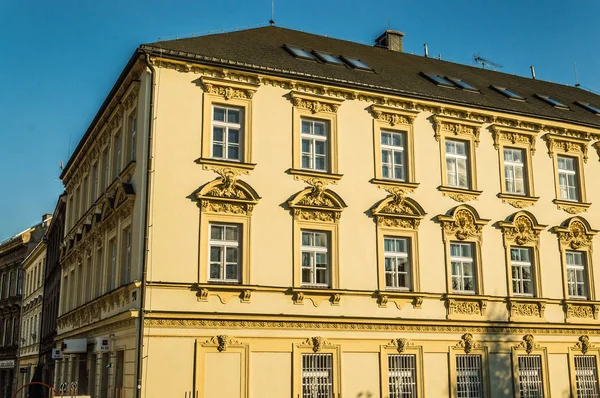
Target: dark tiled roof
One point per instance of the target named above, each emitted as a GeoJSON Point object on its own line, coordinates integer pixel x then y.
{"type": "Point", "coordinates": [262, 48]}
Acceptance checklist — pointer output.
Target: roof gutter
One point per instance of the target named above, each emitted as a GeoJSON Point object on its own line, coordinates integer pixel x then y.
{"type": "Point", "coordinates": [343, 83]}
{"type": "Point", "coordinates": [145, 217]}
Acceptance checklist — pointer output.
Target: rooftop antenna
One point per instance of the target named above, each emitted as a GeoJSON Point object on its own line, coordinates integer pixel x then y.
{"type": "Point", "coordinates": [576, 77]}
{"type": "Point", "coordinates": [272, 21]}
{"type": "Point", "coordinates": [485, 62]}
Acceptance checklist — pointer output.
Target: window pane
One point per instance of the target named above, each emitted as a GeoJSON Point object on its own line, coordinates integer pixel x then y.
{"type": "Point", "coordinates": [216, 232]}
{"type": "Point", "coordinates": [319, 128]}
{"type": "Point", "coordinates": [233, 136]}
{"type": "Point", "coordinates": [218, 134]}
{"type": "Point", "coordinates": [320, 147]}
{"type": "Point", "coordinates": [231, 255]}
{"type": "Point", "coordinates": [215, 254]}
{"type": "Point", "coordinates": [233, 116]}
{"type": "Point", "coordinates": [219, 114]}
{"type": "Point", "coordinates": [306, 127]}
{"type": "Point", "coordinates": [233, 152]}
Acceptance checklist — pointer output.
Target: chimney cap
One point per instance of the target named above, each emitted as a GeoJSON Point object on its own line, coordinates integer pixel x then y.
{"type": "Point", "coordinates": [390, 32]}
{"type": "Point", "coordinates": [390, 39]}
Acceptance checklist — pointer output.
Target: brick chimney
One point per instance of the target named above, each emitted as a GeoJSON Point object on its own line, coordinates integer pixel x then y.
{"type": "Point", "coordinates": [390, 39]}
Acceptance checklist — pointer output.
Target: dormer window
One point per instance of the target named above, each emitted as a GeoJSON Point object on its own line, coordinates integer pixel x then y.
{"type": "Point", "coordinates": [328, 58]}
{"type": "Point", "coordinates": [356, 63]}
{"type": "Point", "coordinates": [462, 84]}
{"type": "Point", "coordinates": [299, 52]}
{"type": "Point", "coordinates": [552, 101]}
{"type": "Point", "coordinates": [437, 79]}
{"type": "Point", "coordinates": [589, 107]}
{"type": "Point", "coordinates": [507, 93]}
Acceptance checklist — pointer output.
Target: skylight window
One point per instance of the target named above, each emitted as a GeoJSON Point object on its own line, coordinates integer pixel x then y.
{"type": "Point", "coordinates": [589, 107]}
{"type": "Point", "coordinates": [299, 52]}
{"type": "Point", "coordinates": [462, 84]}
{"type": "Point", "coordinates": [356, 63]}
{"type": "Point", "coordinates": [328, 58]}
{"type": "Point", "coordinates": [508, 93]}
{"type": "Point", "coordinates": [440, 81]}
{"type": "Point", "coordinates": [552, 101]}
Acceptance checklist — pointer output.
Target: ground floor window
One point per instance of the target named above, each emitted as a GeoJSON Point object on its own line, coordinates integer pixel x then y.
{"type": "Point", "coordinates": [402, 382]}
{"type": "Point", "coordinates": [317, 375]}
{"type": "Point", "coordinates": [531, 383]}
{"type": "Point", "coordinates": [586, 376]}
{"type": "Point", "coordinates": [469, 379]}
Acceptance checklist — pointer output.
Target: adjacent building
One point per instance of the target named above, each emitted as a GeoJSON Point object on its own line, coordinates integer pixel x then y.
{"type": "Point", "coordinates": [31, 312]}
{"type": "Point", "coordinates": [272, 213]}
{"type": "Point", "coordinates": [12, 253]}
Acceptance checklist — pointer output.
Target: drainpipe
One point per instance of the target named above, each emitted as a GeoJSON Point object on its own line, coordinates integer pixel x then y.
{"type": "Point", "coordinates": [146, 204]}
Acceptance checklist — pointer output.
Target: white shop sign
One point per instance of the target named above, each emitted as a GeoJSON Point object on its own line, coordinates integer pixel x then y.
{"type": "Point", "coordinates": [8, 363]}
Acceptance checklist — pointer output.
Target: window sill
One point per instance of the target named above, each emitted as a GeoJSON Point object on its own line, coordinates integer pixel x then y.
{"type": "Point", "coordinates": [526, 308]}
{"type": "Point", "coordinates": [581, 310]}
{"type": "Point", "coordinates": [384, 184]}
{"type": "Point", "coordinates": [304, 175]}
{"type": "Point", "coordinates": [219, 164]}
{"type": "Point", "coordinates": [571, 207]}
{"type": "Point", "coordinates": [399, 297]}
{"type": "Point", "coordinates": [316, 294]}
{"type": "Point", "coordinates": [224, 291]}
{"type": "Point", "coordinates": [465, 306]}
{"type": "Point", "coordinates": [459, 194]}
{"type": "Point", "coordinates": [518, 201]}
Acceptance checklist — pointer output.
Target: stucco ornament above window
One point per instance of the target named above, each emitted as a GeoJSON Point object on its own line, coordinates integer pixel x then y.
{"type": "Point", "coordinates": [393, 116]}
{"type": "Point", "coordinates": [317, 343]}
{"type": "Point", "coordinates": [316, 203]}
{"type": "Point", "coordinates": [462, 223]}
{"type": "Point", "coordinates": [521, 229]}
{"type": "Point", "coordinates": [575, 234]}
{"type": "Point", "coordinates": [467, 343]}
{"type": "Point", "coordinates": [229, 89]}
{"type": "Point", "coordinates": [398, 211]}
{"type": "Point", "coordinates": [315, 103]}
{"type": "Point", "coordinates": [450, 126]}
{"type": "Point", "coordinates": [228, 194]}
{"type": "Point", "coordinates": [568, 145]}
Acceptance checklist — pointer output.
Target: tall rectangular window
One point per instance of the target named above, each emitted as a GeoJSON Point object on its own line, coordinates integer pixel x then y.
{"type": "Point", "coordinates": [463, 267]}
{"type": "Point", "coordinates": [106, 172]}
{"type": "Point", "coordinates": [314, 145]}
{"type": "Point", "coordinates": [99, 271]}
{"type": "Point", "coordinates": [117, 155]}
{"type": "Point", "coordinates": [84, 195]}
{"type": "Point", "coordinates": [522, 278]}
{"type": "Point", "coordinates": [317, 375]}
{"type": "Point", "coordinates": [567, 178]}
{"type": "Point", "coordinates": [457, 164]}
{"type": "Point", "coordinates": [132, 137]}
{"type": "Point", "coordinates": [576, 275]}
{"type": "Point", "coordinates": [20, 281]}
{"type": "Point", "coordinates": [94, 182]}
{"type": "Point", "coordinates": [393, 158]}
{"type": "Point", "coordinates": [397, 263]}
{"type": "Point", "coordinates": [88, 292]}
{"type": "Point", "coordinates": [514, 171]}
{"type": "Point", "coordinates": [586, 376]}
{"type": "Point", "coordinates": [469, 378]}
{"type": "Point", "coordinates": [4, 292]}
{"type": "Point", "coordinates": [531, 383]}
{"type": "Point", "coordinates": [227, 133]}
{"type": "Point", "coordinates": [111, 274]}
{"type": "Point", "coordinates": [11, 283]}
{"type": "Point", "coordinates": [77, 204]}
{"type": "Point", "coordinates": [315, 258]}
{"type": "Point", "coordinates": [126, 259]}
{"type": "Point", "coordinates": [402, 380]}
{"type": "Point", "coordinates": [224, 251]}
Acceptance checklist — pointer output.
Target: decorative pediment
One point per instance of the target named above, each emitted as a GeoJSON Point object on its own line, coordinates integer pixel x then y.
{"type": "Point", "coordinates": [398, 211]}
{"type": "Point", "coordinates": [521, 229]}
{"type": "Point", "coordinates": [575, 233]}
{"type": "Point", "coordinates": [445, 125]}
{"type": "Point", "coordinates": [393, 116]}
{"type": "Point", "coordinates": [462, 223]}
{"type": "Point", "coordinates": [513, 136]}
{"type": "Point", "coordinates": [222, 342]}
{"type": "Point", "coordinates": [228, 194]}
{"type": "Point", "coordinates": [317, 203]}
{"type": "Point", "coordinates": [228, 89]}
{"type": "Point", "coordinates": [315, 103]}
{"type": "Point", "coordinates": [317, 343]}
{"type": "Point", "coordinates": [467, 343]}
{"type": "Point", "coordinates": [401, 344]}
{"type": "Point", "coordinates": [569, 145]}
{"type": "Point", "coordinates": [528, 343]}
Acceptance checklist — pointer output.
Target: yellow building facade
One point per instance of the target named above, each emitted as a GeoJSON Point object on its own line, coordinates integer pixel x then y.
{"type": "Point", "coordinates": [280, 234]}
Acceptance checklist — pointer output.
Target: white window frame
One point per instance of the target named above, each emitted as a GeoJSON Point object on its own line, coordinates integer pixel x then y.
{"type": "Point", "coordinates": [463, 261]}
{"type": "Point", "coordinates": [132, 137]}
{"type": "Point", "coordinates": [572, 272]}
{"type": "Point", "coordinates": [95, 182]}
{"type": "Point", "coordinates": [106, 164]}
{"type": "Point", "coordinates": [531, 375]}
{"type": "Point", "coordinates": [520, 264]}
{"type": "Point", "coordinates": [469, 376]}
{"type": "Point", "coordinates": [396, 258]}
{"type": "Point", "coordinates": [512, 166]}
{"type": "Point", "coordinates": [392, 150]}
{"type": "Point", "coordinates": [566, 173]}
{"type": "Point", "coordinates": [317, 380]}
{"type": "Point", "coordinates": [127, 257]}
{"type": "Point", "coordinates": [455, 157]}
{"type": "Point", "coordinates": [402, 375]}
{"type": "Point", "coordinates": [312, 251]}
{"type": "Point", "coordinates": [225, 125]}
{"type": "Point", "coordinates": [117, 160]}
{"type": "Point", "coordinates": [586, 376]}
{"type": "Point", "coordinates": [223, 245]}
{"type": "Point", "coordinates": [312, 139]}
{"type": "Point", "coordinates": [112, 272]}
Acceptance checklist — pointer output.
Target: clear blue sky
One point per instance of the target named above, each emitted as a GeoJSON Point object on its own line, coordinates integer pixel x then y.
{"type": "Point", "coordinates": [60, 59]}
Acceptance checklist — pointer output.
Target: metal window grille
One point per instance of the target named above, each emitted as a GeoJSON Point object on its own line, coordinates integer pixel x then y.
{"type": "Point", "coordinates": [317, 375]}
{"type": "Point", "coordinates": [469, 379]}
{"type": "Point", "coordinates": [586, 376]}
{"type": "Point", "coordinates": [530, 376]}
{"type": "Point", "coordinates": [402, 382]}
